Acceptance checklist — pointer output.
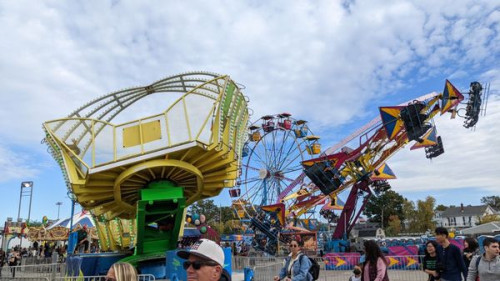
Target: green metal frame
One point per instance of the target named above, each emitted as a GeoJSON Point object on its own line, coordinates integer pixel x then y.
{"type": "Point", "coordinates": [163, 203]}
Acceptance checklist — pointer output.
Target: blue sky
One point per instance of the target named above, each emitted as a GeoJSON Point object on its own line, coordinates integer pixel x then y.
{"type": "Point", "coordinates": [330, 62]}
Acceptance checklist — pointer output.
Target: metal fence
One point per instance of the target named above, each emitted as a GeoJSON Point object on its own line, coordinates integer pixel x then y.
{"type": "Point", "coordinates": [400, 268]}
{"type": "Point", "coordinates": [26, 278]}
{"type": "Point", "coordinates": [36, 260]}
{"type": "Point", "coordinates": [239, 263]}
{"type": "Point", "coordinates": [140, 277]}
{"type": "Point", "coordinates": [50, 271]}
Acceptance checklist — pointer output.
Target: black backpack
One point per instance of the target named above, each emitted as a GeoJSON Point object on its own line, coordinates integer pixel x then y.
{"type": "Point", "coordinates": [314, 269]}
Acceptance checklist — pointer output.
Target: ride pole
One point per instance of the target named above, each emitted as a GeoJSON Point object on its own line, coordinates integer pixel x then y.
{"type": "Point", "coordinates": [72, 214]}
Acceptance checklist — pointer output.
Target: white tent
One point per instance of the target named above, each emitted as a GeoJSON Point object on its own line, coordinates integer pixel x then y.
{"type": "Point", "coordinates": [82, 218]}
{"type": "Point", "coordinates": [487, 228]}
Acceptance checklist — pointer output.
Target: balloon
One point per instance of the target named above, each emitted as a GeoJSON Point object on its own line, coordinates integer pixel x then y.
{"type": "Point", "coordinates": [196, 217]}
{"type": "Point", "coordinates": [197, 222]}
{"type": "Point", "coordinates": [202, 218]}
{"type": "Point", "coordinates": [203, 229]}
{"type": "Point", "coordinates": [188, 219]}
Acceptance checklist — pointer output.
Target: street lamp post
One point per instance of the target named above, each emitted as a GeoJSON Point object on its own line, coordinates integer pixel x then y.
{"type": "Point", "coordinates": [24, 192]}
{"type": "Point", "coordinates": [58, 208]}
{"type": "Point", "coordinates": [25, 185]}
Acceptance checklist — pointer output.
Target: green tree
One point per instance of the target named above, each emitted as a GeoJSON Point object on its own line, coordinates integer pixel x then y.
{"type": "Point", "coordinates": [441, 207]}
{"type": "Point", "coordinates": [493, 201]}
{"type": "Point", "coordinates": [227, 213]}
{"type": "Point", "coordinates": [208, 208]}
{"type": "Point", "coordinates": [419, 216]}
{"type": "Point", "coordinates": [394, 226]}
{"type": "Point", "coordinates": [389, 202]}
{"type": "Point", "coordinates": [425, 214]}
{"type": "Point", "coordinates": [489, 218]}
{"type": "Point", "coordinates": [409, 212]}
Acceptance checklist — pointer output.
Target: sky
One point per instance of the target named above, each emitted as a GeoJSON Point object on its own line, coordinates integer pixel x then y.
{"type": "Point", "coordinates": [332, 63]}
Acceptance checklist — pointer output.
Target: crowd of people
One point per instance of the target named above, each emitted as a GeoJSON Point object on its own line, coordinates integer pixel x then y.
{"type": "Point", "coordinates": [44, 253]}
{"type": "Point", "coordinates": [446, 262]}
{"type": "Point", "coordinates": [443, 261]}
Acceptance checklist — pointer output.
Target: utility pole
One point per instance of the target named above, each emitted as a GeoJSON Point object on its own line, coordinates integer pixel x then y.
{"type": "Point", "coordinates": [58, 208]}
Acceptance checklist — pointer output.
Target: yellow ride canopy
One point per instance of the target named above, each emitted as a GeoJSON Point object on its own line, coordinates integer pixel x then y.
{"type": "Point", "coordinates": [195, 143]}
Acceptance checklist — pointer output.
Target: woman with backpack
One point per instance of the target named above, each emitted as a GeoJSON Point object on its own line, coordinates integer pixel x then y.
{"type": "Point", "coordinates": [296, 265]}
{"type": "Point", "coordinates": [375, 265]}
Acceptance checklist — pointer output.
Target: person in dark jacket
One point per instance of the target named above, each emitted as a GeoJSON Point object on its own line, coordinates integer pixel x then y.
{"type": "Point", "coordinates": [452, 266]}
{"type": "Point", "coordinates": [471, 248]}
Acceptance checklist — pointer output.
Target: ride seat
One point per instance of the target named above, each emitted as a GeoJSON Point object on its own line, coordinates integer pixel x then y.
{"type": "Point", "coordinates": [326, 178]}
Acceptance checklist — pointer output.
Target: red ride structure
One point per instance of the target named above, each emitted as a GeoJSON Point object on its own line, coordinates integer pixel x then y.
{"type": "Point", "coordinates": [363, 168]}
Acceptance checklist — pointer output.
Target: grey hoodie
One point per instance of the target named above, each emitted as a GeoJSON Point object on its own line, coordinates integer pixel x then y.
{"type": "Point", "coordinates": [489, 270]}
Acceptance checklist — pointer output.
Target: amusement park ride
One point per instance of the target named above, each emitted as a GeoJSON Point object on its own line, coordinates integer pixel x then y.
{"type": "Point", "coordinates": [280, 183]}
{"type": "Point", "coordinates": [137, 178]}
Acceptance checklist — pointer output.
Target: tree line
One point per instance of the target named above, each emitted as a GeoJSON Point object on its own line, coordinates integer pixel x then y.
{"type": "Point", "coordinates": [397, 214]}
{"type": "Point", "coordinates": [394, 212]}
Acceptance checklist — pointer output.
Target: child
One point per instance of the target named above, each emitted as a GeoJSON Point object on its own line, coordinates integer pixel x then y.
{"type": "Point", "coordinates": [357, 274]}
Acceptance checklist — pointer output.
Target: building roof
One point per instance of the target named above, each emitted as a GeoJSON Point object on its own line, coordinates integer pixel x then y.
{"type": "Point", "coordinates": [486, 228]}
{"type": "Point", "coordinates": [467, 211]}
{"type": "Point", "coordinates": [82, 218]}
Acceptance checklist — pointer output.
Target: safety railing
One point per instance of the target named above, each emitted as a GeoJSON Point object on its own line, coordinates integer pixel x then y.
{"type": "Point", "coordinates": [239, 263]}
{"type": "Point", "coordinates": [44, 273]}
{"type": "Point", "coordinates": [394, 275]}
{"type": "Point", "coordinates": [35, 260]}
{"type": "Point", "coordinates": [140, 277]}
{"type": "Point", "coordinates": [400, 268]}
{"type": "Point", "coordinates": [25, 278]}
{"type": "Point", "coordinates": [266, 272]}
{"type": "Point", "coordinates": [50, 271]}
{"type": "Point", "coordinates": [94, 142]}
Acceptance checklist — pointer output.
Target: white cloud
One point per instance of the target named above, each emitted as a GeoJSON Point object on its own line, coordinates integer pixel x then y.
{"type": "Point", "coordinates": [325, 61]}
{"type": "Point", "coordinates": [291, 57]}
{"type": "Point", "coordinates": [16, 166]}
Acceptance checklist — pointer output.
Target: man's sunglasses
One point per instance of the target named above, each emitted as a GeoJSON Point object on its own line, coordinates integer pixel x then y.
{"type": "Point", "coordinates": [198, 264]}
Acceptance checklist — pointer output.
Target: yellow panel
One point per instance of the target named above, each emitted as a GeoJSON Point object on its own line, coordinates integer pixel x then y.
{"type": "Point", "coordinates": [151, 131]}
{"type": "Point", "coordinates": [241, 214]}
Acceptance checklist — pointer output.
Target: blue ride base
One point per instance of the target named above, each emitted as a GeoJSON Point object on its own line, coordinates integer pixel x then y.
{"type": "Point", "coordinates": [99, 264]}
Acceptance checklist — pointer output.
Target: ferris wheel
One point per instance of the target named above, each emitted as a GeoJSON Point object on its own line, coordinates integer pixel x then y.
{"type": "Point", "coordinates": [271, 166]}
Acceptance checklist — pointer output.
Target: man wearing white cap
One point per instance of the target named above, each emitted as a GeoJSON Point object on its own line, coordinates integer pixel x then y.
{"type": "Point", "coordinates": [204, 261]}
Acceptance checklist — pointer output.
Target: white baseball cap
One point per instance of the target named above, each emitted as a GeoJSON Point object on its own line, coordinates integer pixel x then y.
{"type": "Point", "coordinates": [206, 249]}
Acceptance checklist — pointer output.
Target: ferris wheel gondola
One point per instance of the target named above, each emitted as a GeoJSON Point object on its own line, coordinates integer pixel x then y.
{"type": "Point", "coordinates": [269, 184]}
